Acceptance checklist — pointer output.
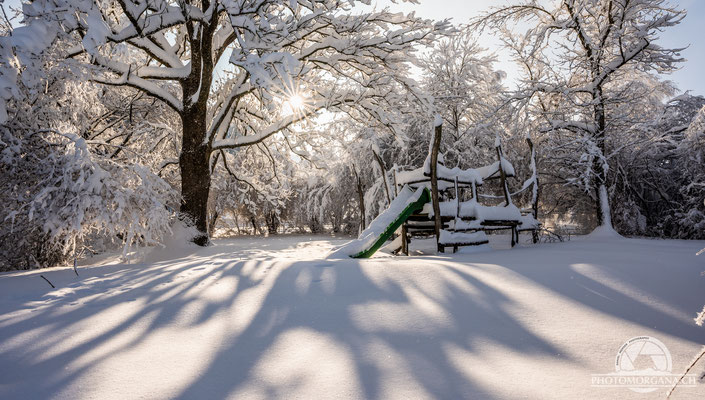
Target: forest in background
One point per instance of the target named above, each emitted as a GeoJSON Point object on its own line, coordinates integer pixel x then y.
{"type": "Point", "coordinates": [120, 118]}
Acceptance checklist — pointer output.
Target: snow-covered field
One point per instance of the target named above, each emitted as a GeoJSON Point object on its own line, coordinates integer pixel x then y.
{"type": "Point", "coordinates": [258, 318]}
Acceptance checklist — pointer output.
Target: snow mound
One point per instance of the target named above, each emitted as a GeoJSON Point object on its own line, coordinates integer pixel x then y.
{"type": "Point", "coordinates": [450, 238]}
{"type": "Point", "coordinates": [482, 248]}
{"type": "Point", "coordinates": [174, 246]}
{"type": "Point", "coordinates": [604, 232]}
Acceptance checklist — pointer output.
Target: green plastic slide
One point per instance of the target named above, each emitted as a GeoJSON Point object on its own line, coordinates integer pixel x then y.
{"type": "Point", "coordinates": [401, 217]}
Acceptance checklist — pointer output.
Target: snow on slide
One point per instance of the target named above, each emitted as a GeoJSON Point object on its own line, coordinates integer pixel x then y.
{"type": "Point", "coordinates": [384, 225]}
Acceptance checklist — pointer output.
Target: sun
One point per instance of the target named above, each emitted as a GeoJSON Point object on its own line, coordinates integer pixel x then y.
{"type": "Point", "coordinates": [296, 102]}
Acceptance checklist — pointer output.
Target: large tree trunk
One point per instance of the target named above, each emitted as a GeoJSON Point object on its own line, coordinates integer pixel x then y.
{"type": "Point", "coordinates": [194, 160]}
{"type": "Point", "coordinates": [272, 222]}
{"type": "Point", "coordinates": [602, 205]}
{"type": "Point", "coordinates": [384, 175]}
{"type": "Point", "coordinates": [253, 221]}
{"type": "Point", "coordinates": [195, 186]}
{"type": "Point", "coordinates": [195, 172]}
{"type": "Point", "coordinates": [212, 221]}
{"type": "Point", "coordinates": [360, 200]}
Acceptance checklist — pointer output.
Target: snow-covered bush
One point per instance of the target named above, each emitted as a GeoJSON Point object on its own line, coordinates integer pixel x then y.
{"type": "Point", "coordinates": [660, 176]}
{"type": "Point", "coordinates": [79, 166]}
{"type": "Point", "coordinates": [59, 197]}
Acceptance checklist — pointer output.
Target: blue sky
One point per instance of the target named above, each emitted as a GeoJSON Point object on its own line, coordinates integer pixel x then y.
{"type": "Point", "coordinates": [690, 32]}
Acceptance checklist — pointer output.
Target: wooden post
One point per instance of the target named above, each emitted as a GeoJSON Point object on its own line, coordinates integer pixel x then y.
{"type": "Point", "coordinates": [503, 177]}
{"type": "Point", "coordinates": [535, 189]}
{"type": "Point", "coordinates": [384, 175]}
{"type": "Point", "coordinates": [404, 240]}
{"type": "Point", "coordinates": [434, 183]}
{"type": "Point", "coordinates": [457, 199]}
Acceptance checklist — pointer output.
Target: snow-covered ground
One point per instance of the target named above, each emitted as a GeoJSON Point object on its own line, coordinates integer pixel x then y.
{"type": "Point", "coordinates": [258, 318]}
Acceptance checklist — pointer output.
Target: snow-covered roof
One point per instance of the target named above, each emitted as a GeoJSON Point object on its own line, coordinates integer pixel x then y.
{"type": "Point", "coordinates": [465, 176]}
{"type": "Point", "coordinates": [474, 214]}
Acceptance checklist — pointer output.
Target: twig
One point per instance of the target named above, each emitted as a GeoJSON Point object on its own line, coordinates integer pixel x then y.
{"type": "Point", "coordinates": [551, 234]}
{"type": "Point", "coordinates": [692, 364]}
{"type": "Point", "coordinates": [50, 284]}
{"type": "Point", "coordinates": [74, 266]}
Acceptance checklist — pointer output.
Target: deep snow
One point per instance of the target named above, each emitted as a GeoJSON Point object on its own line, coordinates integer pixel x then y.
{"type": "Point", "coordinates": [269, 318]}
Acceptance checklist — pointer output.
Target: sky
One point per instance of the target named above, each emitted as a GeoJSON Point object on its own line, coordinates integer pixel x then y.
{"type": "Point", "coordinates": [689, 33]}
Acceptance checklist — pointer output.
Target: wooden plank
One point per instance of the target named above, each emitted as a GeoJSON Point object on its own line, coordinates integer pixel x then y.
{"type": "Point", "coordinates": [434, 181]}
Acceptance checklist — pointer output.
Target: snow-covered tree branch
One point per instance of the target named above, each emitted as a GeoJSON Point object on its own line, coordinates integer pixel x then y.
{"type": "Point", "coordinates": [577, 53]}
{"type": "Point", "coordinates": [228, 68]}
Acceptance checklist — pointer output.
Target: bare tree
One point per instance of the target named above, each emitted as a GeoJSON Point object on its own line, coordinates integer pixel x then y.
{"type": "Point", "coordinates": [286, 60]}
{"type": "Point", "coordinates": [575, 55]}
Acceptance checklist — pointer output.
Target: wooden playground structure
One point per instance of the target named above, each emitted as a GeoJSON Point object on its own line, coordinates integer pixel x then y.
{"type": "Point", "coordinates": [455, 215]}
{"type": "Point", "coordinates": [434, 200]}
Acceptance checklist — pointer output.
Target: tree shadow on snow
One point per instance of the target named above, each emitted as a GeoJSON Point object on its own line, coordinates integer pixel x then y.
{"type": "Point", "coordinates": [336, 300]}
{"type": "Point", "coordinates": [375, 322]}
{"type": "Point", "coordinates": [657, 288]}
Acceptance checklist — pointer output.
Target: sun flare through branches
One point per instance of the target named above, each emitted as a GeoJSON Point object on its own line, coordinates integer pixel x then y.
{"type": "Point", "coordinates": [296, 102]}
